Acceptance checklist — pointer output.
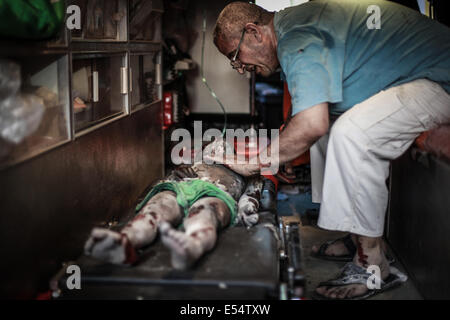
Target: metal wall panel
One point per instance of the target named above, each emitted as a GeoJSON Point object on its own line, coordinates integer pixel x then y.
{"type": "Point", "coordinates": [232, 88]}
{"type": "Point", "coordinates": [419, 221]}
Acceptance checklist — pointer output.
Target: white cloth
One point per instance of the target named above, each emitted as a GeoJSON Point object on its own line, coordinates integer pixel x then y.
{"type": "Point", "coordinates": [317, 154]}
{"type": "Point", "coordinates": [350, 165]}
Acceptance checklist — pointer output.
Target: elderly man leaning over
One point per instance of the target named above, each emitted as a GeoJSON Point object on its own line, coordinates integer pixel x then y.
{"type": "Point", "coordinates": [386, 84]}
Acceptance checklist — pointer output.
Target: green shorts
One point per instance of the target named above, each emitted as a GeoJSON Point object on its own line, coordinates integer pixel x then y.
{"type": "Point", "coordinates": [190, 191]}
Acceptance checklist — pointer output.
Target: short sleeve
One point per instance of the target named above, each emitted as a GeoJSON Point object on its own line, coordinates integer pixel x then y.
{"type": "Point", "coordinates": [313, 67]}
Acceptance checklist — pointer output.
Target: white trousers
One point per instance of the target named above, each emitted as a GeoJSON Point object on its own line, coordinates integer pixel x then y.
{"type": "Point", "coordinates": [350, 165]}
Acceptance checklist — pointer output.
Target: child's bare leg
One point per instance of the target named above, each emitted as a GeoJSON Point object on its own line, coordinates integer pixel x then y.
{"type": "Point", "coordinates": [142, 230]}
{"type": "Point", "coordinates": [120, 247]}
{"type": "Point", "coordinates": [205, 217]}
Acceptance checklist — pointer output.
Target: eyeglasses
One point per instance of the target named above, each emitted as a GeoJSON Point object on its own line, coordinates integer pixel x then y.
{"type": "Point", "coordinates": [236, 64]}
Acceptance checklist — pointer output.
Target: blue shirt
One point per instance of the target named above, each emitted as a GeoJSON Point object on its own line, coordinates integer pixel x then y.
{"type": "Point", "coordinates": [328, 53]}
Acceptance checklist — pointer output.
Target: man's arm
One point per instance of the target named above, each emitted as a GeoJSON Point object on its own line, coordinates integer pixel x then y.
{"type": "Point", "coordinates": [304, 129]}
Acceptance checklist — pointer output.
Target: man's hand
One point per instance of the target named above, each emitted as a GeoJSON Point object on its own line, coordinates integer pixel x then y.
{"type": "Point", "coordinates": [303, 130]}
{"type": "Point", "coordinates": [246, 169]}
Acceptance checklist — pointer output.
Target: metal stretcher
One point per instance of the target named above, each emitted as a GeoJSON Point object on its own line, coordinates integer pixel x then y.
{"type": "Point", "coordinates": [253, 263]}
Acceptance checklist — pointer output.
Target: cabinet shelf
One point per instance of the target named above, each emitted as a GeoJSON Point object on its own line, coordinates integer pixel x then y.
{"type": "Point", "coordinates": [108, 62]}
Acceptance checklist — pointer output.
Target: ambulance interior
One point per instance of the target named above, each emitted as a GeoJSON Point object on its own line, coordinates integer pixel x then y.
{"type": "Point", "coordinates": [106, 99]}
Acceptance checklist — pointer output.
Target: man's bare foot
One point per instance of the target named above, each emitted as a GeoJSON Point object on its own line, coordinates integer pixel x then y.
{"type": "Point", "coordinates": [110, 246]}
{"type": "Point", "coordinates": [185, 249]}
{"type": "Point", "coordinates": [338, 248]}
{"type": "Point", "coordinates": [370, 252]}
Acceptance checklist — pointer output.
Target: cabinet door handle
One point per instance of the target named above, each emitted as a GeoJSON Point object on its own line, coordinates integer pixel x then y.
{"type": "Point", "coordinates": [158, 79]}
{"type": "Point", "coordinates": [95, 86]}
{"type": "Point", "coordinates": [124, 80]}
{"type": "Point", "coordinates": [131, 80]}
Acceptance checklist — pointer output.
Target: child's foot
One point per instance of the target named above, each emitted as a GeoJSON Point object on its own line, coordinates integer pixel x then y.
{"type": "Point", "coordinates": [185, 249]}
{"type": "Point", "coordinates": [110, 246]}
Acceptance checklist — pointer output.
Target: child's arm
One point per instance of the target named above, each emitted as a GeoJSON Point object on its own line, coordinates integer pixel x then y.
{"type": "Point", "coordinates": [248, 204]}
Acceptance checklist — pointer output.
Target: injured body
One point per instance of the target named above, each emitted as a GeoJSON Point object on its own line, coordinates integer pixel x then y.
{"type": "Point", "coordinates": [205, 198]}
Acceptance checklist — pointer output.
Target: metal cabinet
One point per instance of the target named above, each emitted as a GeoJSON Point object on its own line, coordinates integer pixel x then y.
{"type": "Point", "coordinates": [99, 88]}
{"type": "Point", "coordinates": [81, 80]}
{"type": "Point", "coordinates": [101, 20]}
{"type": "Point", "coordinates": [145, 79]}
{"type": "Point", "coordinates": [145, 20]}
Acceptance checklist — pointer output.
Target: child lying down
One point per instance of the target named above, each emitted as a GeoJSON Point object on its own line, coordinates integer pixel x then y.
{"type": "Point", "coordinates": [205, 198]}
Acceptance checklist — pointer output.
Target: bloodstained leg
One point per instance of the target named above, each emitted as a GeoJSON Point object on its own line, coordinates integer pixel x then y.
{"type": "Point", "coordinates": [120, 247]}
{"type": "Point", "coordinates": [369, 252]}
{"type": "Point", "coordinates": [205, 217]}
{"type": "Point", "coordinates": [142, 230]}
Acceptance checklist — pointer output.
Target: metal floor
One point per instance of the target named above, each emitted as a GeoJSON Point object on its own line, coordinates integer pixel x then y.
{"type": "Point", "coordinates": [317, 270]}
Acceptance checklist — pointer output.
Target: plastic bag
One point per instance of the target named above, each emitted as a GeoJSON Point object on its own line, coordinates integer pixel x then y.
{"type": "Point", "coordinates": [20, 114]}
{"type": "Point", "coordinates": [10, 80]}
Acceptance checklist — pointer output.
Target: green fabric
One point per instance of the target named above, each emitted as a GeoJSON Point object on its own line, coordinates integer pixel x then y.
{"type": "Point", "coordinates": [190, 191]}
{"type": "Point", "coordinates": [31, 19]}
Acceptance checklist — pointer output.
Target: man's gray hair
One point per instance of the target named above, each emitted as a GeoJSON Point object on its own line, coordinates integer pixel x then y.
{"type": "Point", "coordinates": [235, 16]}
